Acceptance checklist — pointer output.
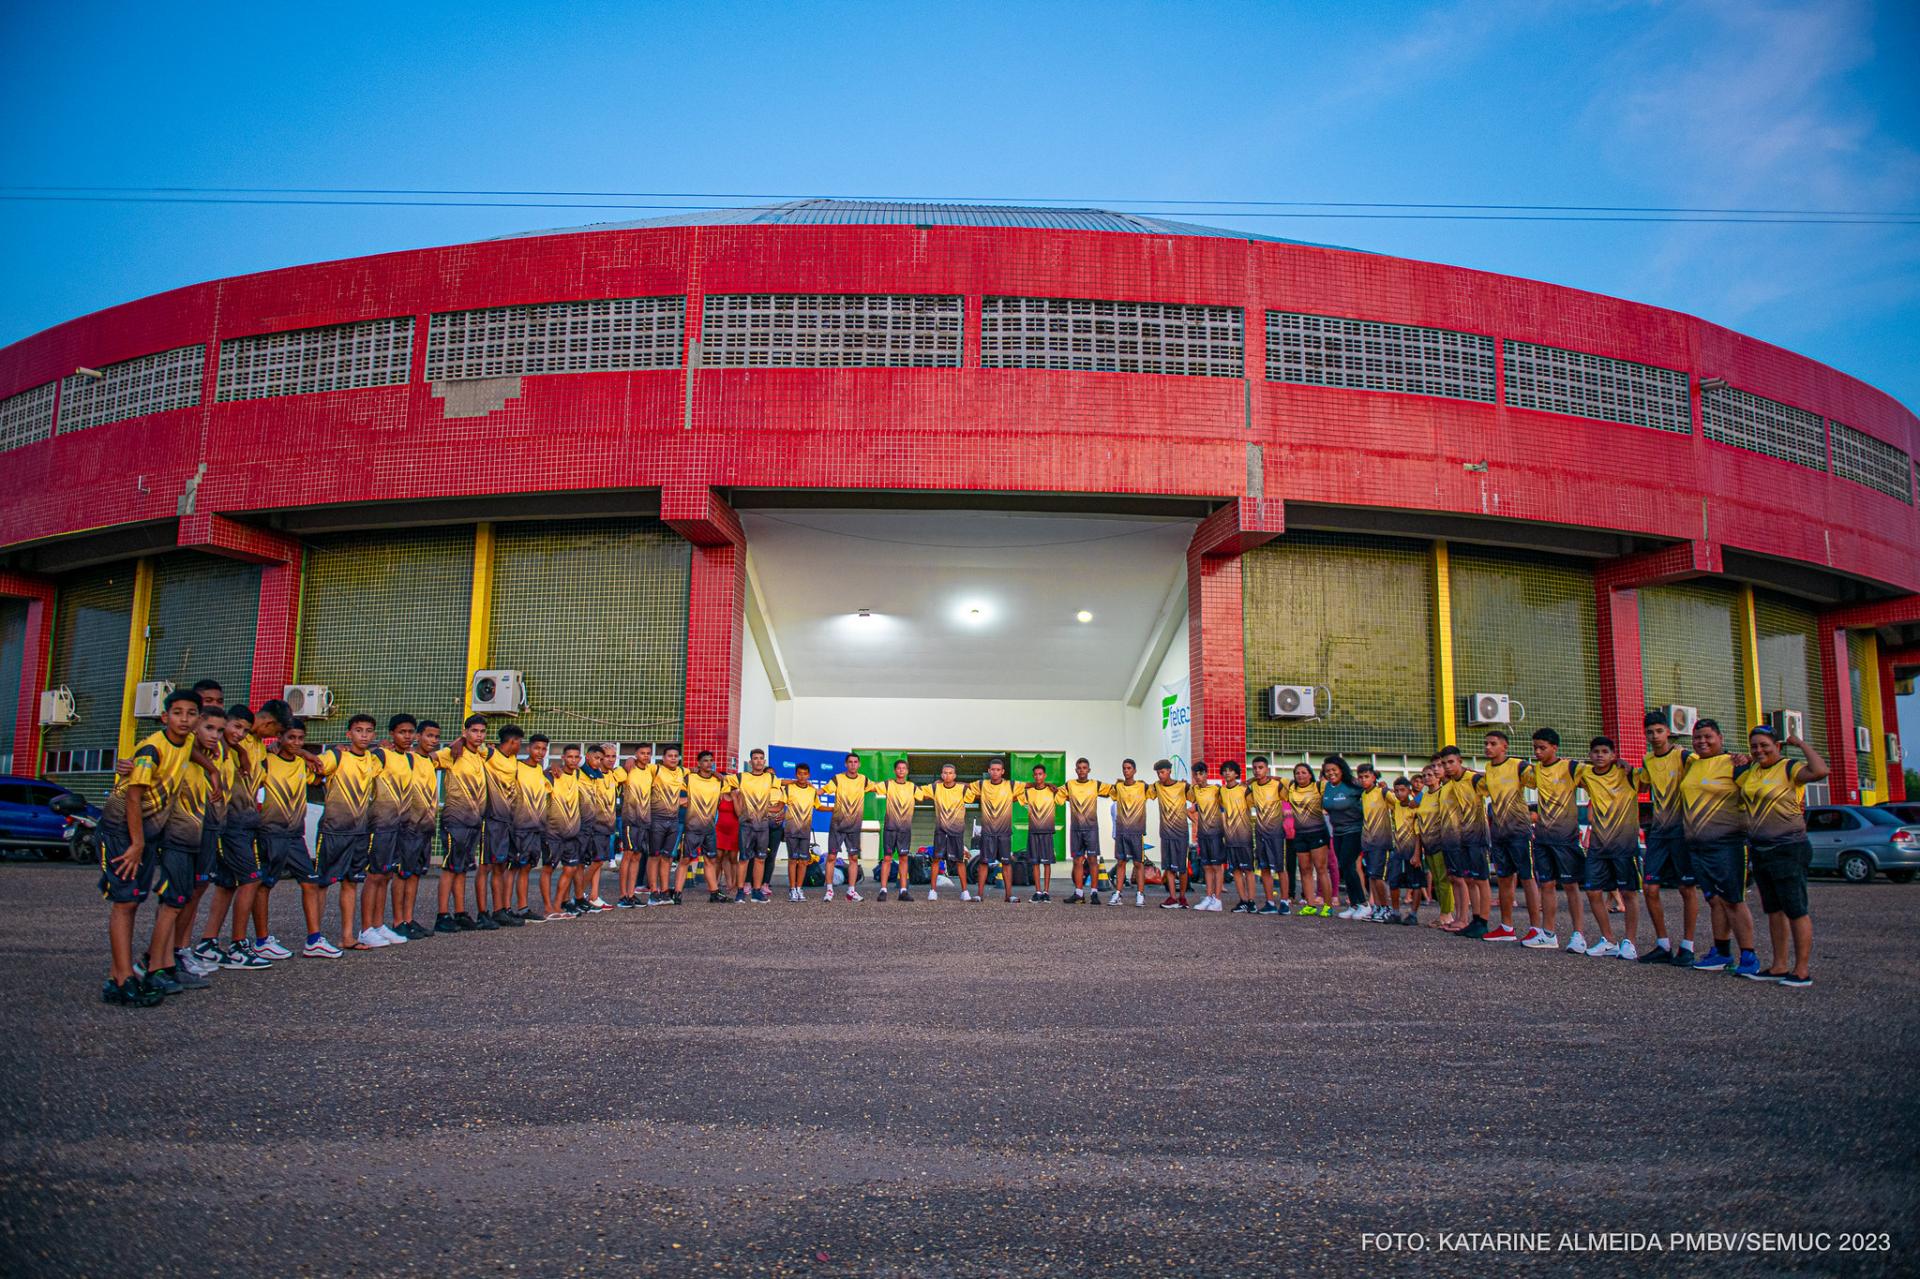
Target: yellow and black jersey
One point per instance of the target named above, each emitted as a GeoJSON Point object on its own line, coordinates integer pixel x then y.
{"type": "Point", "coordinates": [1406, 827]}
{"type": "Point", "coordinates": [801, 801]}
{"type": "Point", "coordinates": [996, 806]}
{"type": "Point", "coordinates": [1431, 815]}
{"type": "Point", "coordinates": [243, 797]}
{"type": "Point", "coordinates": [283, 794]}
{"type": "Point", "coordinates": [1041, 800]}
{"type": "Point", "coordinates": [1661, 775]}
{"type": "Point", "coordinates": [1305, 801]}
{"type": "Point", "coordinates": [669, 788]}
{"type": "Point", "coordinates": [1083, 802]}
{"type": "Point", "coordinates": [1710, 798]}
{"type": "Point", "coordinates": [1507, 815]}
{"type": "Point", "coordinates": [187, 814]}
{"type": "Point", "coordinates": [599, 800]}
{"type": "Point", "coordinates": [900, 797]}
{"type": "Point", "coordinates": [503, 774]}
{"type": "Point", "coordinates": [394, 786]}
{"type": "Point", "coordinates": [466, 800]}
{"type": "Point", "coordinates": [1376, 817]}
{"type": "Point", "coordinates": [1464, 808]}
{"type": "Point", "coordinates": [703, 801]}
{"type": "Point", "coordinates": [636, 793]}
{"type": "Point", "coordinates": [226, 768]}
{"type": "Point", "coordinates": [349, 780]}
{"type": "Point", "coordinates": [423, 796]}
{"type": "Point", "coordinates": [1129, 807]}
{"type": "Point", "coordinates": [1236, 813]}
{"type": "Point", "coordinates": [1613, 808]}
{"type": "Point", "coordinates": [849, 800]}
{"type": "Point", "coordinates": [564, 802]}
{"type": "Point", "coordinates": [1269, 809]}
{"type": "Point", "coordinates": [1206, 807]}
{"type": "Point", "coordinates": [756, 795]}
{"type": "Point", "coordinates": [1172, 798]}
{"type": "Point", "coordinates": [532, 789]}
{"type": "Point", "coordinates": [950, 807]}
{"type": "Point", "coordinates": [1773, 804]}
{"type": "Point", "coordinates": [1556, 818]}
{"type": "Point", "coordinates": [157, 764]}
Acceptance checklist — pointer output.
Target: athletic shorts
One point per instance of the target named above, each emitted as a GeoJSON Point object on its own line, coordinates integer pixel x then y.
{"type": "Point", "coordinates": [756, 840]}
{"type": "Point", "coordinates": [1211, 848]}
{"type": "Point", "coordinates": [383, 854]}
{"type": "Point", "coordinates": [128, 891]}
{"type": "Point", "coordinates": [1308, 840]}
{"type": "Point", "coordinates": [1668, 862]}
{"type": "Point", "coordinates": [1558, 863]}
{"type": "Point", "coordinates": [1374, 860]}
{"type": "Point", "coordinates": [633, 835]}
{"type": "Point", "coordinates": [416, 846]}
{"type": "Point", "coordinates": [1175, 851]}
{"type": "Point", "coordinates": [342, 858]}
{"type": "Point", "coordinates": [699, 843]}
{"type": "Point", "coordinates": [1127, 845]}
{"type": "Point", "coordinates": [662, 835]}
{"type": "Point", "coordinates": [1720, 867]}
{"type": "Point", "coordinates": [525, 847]}
{"type": "Point", "coordinates": [1465, 860]}
{"type": "Point", "coordinates": [239, 861]}
{"type": "Point", "coordinates": [1270, 851]}
{"type": "Point", "coordinates": [1608, 872]}
{"type": "Point", "coordinates": [287, 857]}
{"type": "Point", "coordinates": [593, 844]}
{"type": "Point", "coordinates": [563, 850]}
{"type": "Point", "coordinates": [995, 848]}
{"type": "Point", "coordinates": [1039, 847]}
{"type": "Point", "coordinates": [896, 841]}
{"type": "Point", "coordinates": [1239, 856]}
{"type": "Point", "coordinates": [949, 846]}
{"type": "Point", "coordinates": [496, 846]}
{"type": "Point", "coordinates": [843, 841]}
{"type": "Point", "coordinates": [1405, 872]}
{"type": "Point", "coordinates": [1511, 855]}
{"type": "Point", "coordinates": [799, 845]}
{"type": "Point", "coordinates": [1780, 873]}
{"type": "Point", "coordinates": [174, 877]}
{"type": "Point", "coordinates": [463, 842]}
{"type": "Point", "coordinates": [207, 856]}
{"type": "Point", "coordinates": [1084, 841]}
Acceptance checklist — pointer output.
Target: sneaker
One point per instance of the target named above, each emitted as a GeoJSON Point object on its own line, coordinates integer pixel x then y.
{"type": "Point", "coordinates": [1796, 983]}
{"type": "Point", "coordinates": [1411, 919]}
{"type": "Point", "coordinates": [1605, 950]}
{"type": "Point", "coordinates": [904, 896]}
{"type": "Point", "coordinates": [795, 895]}
{"type": "Point", "coordinates": [1628, 951]}
{"type": "Point", "coordinates": [739, 895]}
{"type": "Point", "coordinates": [240, 956]}
{"type": "Point", "coordinates": [933, 894]}
{"type": "Point", "coordinates": [186, 960]}
{"type": "Point", "coordinates": [465, 922]}
{"type": "Point", "coordinates": [713, 897]}
{"type": "Point", "coordinates": [1527, 938]}
{"type": "Point", "coordinates": [1577, 944]}
{"type": "Point", "coordinates": [1537, 940]}
{"type": "Point", "coordinates": [1174, 904]}
{"type": "Point", "coordinates": [829, 896]}
{"type": "Point", "coordinates": [1212, 904]}
{"type": "Point", "coordinates": [414, 932]}
{"type": "Point", "coordinates": [965, 895]}
{"type": "Point", "coordinates": [1115, 899]}
{"type": "Point", "coordinates": [1282, 908]}
{"type": "Point", "coordinates": [129, 994]}
{"type": "Point", "coordinates": [1657, 954]}
{"type": "Point", "coordinates": [160, 982]}
{"type": "Point", "coordinates": [1139, 899]}
{"type": "Point", "coordinates": [1713, 961]}
{"type": "Point", "coordinates": [880, 896]}
{"type": "Point", "coordinates": [624, 903]}
{"type": "Point", "coordinates": [441, 924]}
{"type": "Point", "coordinates": [393, 936]}
{"type": "Point", "coordinates": [1749, 968]}
{"type": "Point", "coordinates": [188, 979]}
{"type": "Point", "coordinates": [1093, 898]}
{"type": "Point", "coordinates": [674, 898]}
{"type": "Point", "coordinates": [1684, 958]}
{"type": "Point", "coordinates": [1267, 908]}
{"type": "Point", "coordinates": [853, 894]}
{"type": "Point", "coordinates": [208, 951]}
{"type": "Point", "coordinates": [270, 947]}
{"type": "Point", "coordinates": [1475, 930]}
{"type": "Point", "coordinates": [318, 947]}
{"type": "Point", "coordinates": [374, 938]}
{"type": "Point", "coordinates": [1505, 933]}
{"type": "Point", "coordinates": [485, 923]}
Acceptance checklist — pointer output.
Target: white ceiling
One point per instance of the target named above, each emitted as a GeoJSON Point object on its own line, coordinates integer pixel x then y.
{"type": "Point", "coordinates": [922, 574]}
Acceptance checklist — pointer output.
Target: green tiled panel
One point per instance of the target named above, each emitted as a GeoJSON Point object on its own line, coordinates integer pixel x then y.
{"type": "Point", "coordinates": [594, 614]}
{"type": "Point", "coordinates": [205, 613]}
{"type": "Point", "coordinates": [1690, 651]}
{"type": "Point", "coordinates": [383, 623]}
{"type": "Point", "coordinates": [1858, 655]}
{"type": "Point", "coordinates": [1354, 614]}
{"type": "Point", "coordinates": [13, 637]}
{"type": "Point", "coordinates": [91, 614]}
{"type": "Point", "coordinates": [1790, 663]}
{"type": "Point", "coordinates": [1523, 625]}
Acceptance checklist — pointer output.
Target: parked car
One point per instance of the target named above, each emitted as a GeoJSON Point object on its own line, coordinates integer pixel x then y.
{"type": "Point", "coordinates": [1854, 841]}
{"type": "Point", "coordinates": [38, 814]}
{"type": "Point", "coordinates": [1906, 811]}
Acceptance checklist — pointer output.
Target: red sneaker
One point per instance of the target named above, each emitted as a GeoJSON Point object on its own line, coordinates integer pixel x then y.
{"type": "Point", "coordinates": [1502, 933]}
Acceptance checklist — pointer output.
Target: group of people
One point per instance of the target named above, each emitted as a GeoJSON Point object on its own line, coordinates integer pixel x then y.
{"type": "Point", "coordinates": [212, 808]}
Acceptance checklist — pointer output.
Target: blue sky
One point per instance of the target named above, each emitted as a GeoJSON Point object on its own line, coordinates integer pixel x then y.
{"type": "Point", "coordinates": [1490, 101]}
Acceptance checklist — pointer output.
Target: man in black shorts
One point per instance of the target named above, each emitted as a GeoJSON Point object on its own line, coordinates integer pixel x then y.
{"type": "Point", "coordinates": [465, 808]}
{"type": "Point", "coordinates": [899, 796]}
{"type": "Point", "coordinates": [1173, 799]}
{"type": "Point", "coordinates": [950, 800]}
{"type": "Point", "coordinates": [1042, 799]}
{"type": "Point", "coordinates": [1082, 796]}
{"type": "Point", "coordinates": [1236, 841]}
{"type": "Point", "coordinates": [349, 774]}
{"type": "Point", "coordinates": [1129, 832]}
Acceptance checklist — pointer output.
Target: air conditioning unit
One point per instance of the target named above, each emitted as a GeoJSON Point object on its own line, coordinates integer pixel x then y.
{"type": "Point", "coordinates": [1893, 749]}
{"type": "Point", "coordinates": [150, 698]}
{"type": "Point", "coordinates": [1681, 719]}
{"type": "Point", "coordinates": [1863, 739]}
{"type": "Point", "coordinates": [57, 709]}
{"type": "Point", "coordinates": [1490, 708]}
{"type": "Point", "coordinates": [309, 701]}
{"type": "Point", "coordinates": [1787, 724]}
{"type": "Point", "coordinates": [1291, 701]}
{"type": "Point", "coordinates": [499, 693]}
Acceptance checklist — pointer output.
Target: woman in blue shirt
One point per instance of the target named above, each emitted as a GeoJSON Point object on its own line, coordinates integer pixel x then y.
{"type": "Point", "coordinates": [1340, 797]}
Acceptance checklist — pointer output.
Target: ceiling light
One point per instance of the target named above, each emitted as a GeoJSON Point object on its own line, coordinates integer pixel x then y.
{"type": "Point", "coordinates": [1084, 616]}
{"type": "Point", "coordinates": [865, 614]}
{"type": "Point", "coordinates": [973, 612]}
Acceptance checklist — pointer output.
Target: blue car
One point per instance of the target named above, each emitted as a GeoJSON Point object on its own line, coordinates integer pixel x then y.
{"type": "Point", "coordinates": [40, 815]}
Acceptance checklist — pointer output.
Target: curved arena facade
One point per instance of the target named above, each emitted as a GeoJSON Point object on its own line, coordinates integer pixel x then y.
{"type": "Point", "coordinates": [1409, 484]}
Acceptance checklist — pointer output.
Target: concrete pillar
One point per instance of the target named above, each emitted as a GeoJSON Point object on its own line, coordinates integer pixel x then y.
{"type": "Point", "coordinates": [1216, 623]}
{"type": "Point", "coordinates": [1623, 696]}
{"type": "Point", "coordinates": [36, 656]}
{"type": "Point", "coordinates": [716, 619]}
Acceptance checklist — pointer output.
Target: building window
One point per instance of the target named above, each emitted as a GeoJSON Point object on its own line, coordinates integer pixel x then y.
{"type": "Point", "coordinates": [605, 335]}
{"type": "Point", "coordinates": [829, 331]}
{"type": "Point", "coordinates": [1091, 336]}
{"type": "Point", "coordinates": [133, 388]}
{"type": "Point", "coordinates": [1859, 457]}
{"type": "Point", "coordinates": [26, 417]}
{"type": "Point", "coordinates": [1580, 385]}
{"type": "Point", "coordinates": [1363, 355]}
{"type": "Point", "coordinates": [339, 357]}
{"type": "Point", "coordinates": [1759, 425]}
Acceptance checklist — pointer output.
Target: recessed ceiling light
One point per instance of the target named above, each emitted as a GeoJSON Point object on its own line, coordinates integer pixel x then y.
{"type": "Point", "coordinates": [973, 612]}
{"type": "Point", "coordinates": [863, 613]}
{"type": "Point", "coordinates": [1084, 616]}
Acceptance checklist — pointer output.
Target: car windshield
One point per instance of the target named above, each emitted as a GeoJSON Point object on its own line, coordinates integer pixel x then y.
{"type": "Point", "coordinates": [1878, 816]}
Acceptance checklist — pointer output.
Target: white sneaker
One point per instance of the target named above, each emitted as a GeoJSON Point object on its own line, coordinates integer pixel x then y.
{"type": "Point", "coordinates": [1345, 914]}
{"type": "Point", "coordinates": [1115, 899]}
{"type": "Point", "coordinates": [189, 961]}
{"type": "Point", "coordinates": [374, 938]}
{"type": "Point", "coordinates": [1537, 940]}
{"type": "Point", "coordinates": [270, 947]}
{"type": "Point", "coordinates": [1605, 950]}
{"type": "Point", "coordinates": [966, 895]}
{"type": "Point", "coordinates": [1526, 938]}
{"type": "Point", "coordinates": [933, 894]}
{"type": "Point", "coordinates": [853, 895]}
{"type": "Point", "coordinates": [829, 896]}
{"type": "Point", "coordinates": [1577, 945]}
{"type": "Point", "coordinates": [1139, 899]}
{"type": "Point", "coordinates": [394, 938]}
{"type": "Point", "coordinates": [1627, 950]}
{"type": "Point", "coordinates": [321, 949]}
{"type": "Point", "coordinates": [1213, 904]}
{"type": "Point", "coordinates": [601, 905]}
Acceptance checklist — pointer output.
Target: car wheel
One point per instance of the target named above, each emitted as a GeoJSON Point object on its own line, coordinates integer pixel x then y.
{"type": "Point", "coordinates": [84, 848]}
{"type": "Point", "coordinates": [1856, 868]}
{"type": "Point", "coordinates": [1900, 876]}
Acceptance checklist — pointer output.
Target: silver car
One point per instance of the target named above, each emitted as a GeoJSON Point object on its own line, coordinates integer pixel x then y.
{"type": "Point", "coordinates": [1855, 841]}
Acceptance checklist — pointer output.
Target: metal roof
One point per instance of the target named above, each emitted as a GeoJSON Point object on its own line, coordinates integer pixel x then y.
{"type": "Point", "coordinates": [907, 213]}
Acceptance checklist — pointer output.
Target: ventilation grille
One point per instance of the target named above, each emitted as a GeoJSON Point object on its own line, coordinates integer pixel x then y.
{"type": "Point", "coordinates": [1089, 336]}
{"type": "Point", "coordinates": [1581, 385]}
{"type": "Point", "coordinates": [26, 417]}
{"type": "Point", "coordinates": [1362, 355]}
{"type": "Point", "coordinates": [133, 388]}
{"type": "Point", "coordinates": [829, 331]}
{"type": "Point", "coordinates": [1764, 426]}
{"type": "Point", "coordinates": [602, 336]}
{"type": "Point", "coordinates": [339, 357]}
{"type": "Point", "coordinates": [1859, 457]}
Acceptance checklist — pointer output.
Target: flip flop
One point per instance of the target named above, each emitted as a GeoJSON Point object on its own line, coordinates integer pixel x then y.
{"type": "Point", "coordinates": [358, 945]}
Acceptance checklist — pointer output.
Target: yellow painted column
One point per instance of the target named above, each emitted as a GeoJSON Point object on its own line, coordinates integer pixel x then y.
{"type": "Point", "coordinates": [1874, 760]}
{"type": "Point", "coordinates": [480, 612]}
{"type": "Point", "coordinates": [136, 671]}
{"type": "Point", "coordinates": [1750, 662]}
{"type": "Point", "coordinates": [1446, 708]}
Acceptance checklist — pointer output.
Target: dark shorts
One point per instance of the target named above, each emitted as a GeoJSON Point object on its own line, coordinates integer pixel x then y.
{"type": "Point", "coordinates": [1239, 856]}
{"type": "Point", "coordinates": [699, 843]}
{"type": "Point", "coordinates": [463, 842]}
{"type": "Point", "coordinates": [843, 841]}
{"type": "Point", "coordinates": [416, 848]}
{"type": "Point", "coordinates": [342, 858]}
{"type": "Point", "coordinates": [206, 857]}
{"type": "Point", "coordinates": [286, 856]}
{"type": "Point", "coordinates": [1720, 867]}
{"type": "Point", "coordinates": [525, 847]}
{"type": "Point", "coordinates": [1308, 840]}
{"type": "Point", "coordinates": [1609, 872]}
{"type": "Point", "coordinates": [1668, 861]}
{"type": "Point", "coordinates": [1210, 848]}
{"type": "Point", "coordinates": [1558, 863]}
{"type": "Point", "coordinates": [496, 842]}
{"type": "Point", "coordinates": [595, 846]}
{"type": "Point", "coordinates": [1174, 851]}
{"type": "Point", "coordinates": [1270, 851]}
{"type": "Point", "coordinates": [129, 891]}
{"type": "Point", "coordinates": [950, 846]}
{"type": "Point", "coordinates": [1780, 873]}
{"type": "Point", "coordinates": [1465, 860]}
{"type": "Point", "coordinates": [756, 840]}
{"type": "Point", "coordinates": [662, 834]}
{"type": "Point", "coordinates": [1404, 871]}
{"type": "Point", "coordinates": [1510, 855]}
{"type": "Point", "coordinates": [896, 841]}
{"type": "Point", "coordinates": [174, 877]}
{"type": "Point", "coordinates": [995, 847]}
{"type": "Point", "coordinates": [239, 861]}
{"type": "Point", "coordinates": [1084, 841]}
{"type": "Point", "coordinates": [1127, 845]}
{"type": "Point", "coordinates": [635, 835]}
{"type": "Point", "coordinates": [1039, 847]}
{"type": "Point", "coordinates": [561, 850]}
{"type": "Point", "coordinates": [799, 844]}
{"type": "Point", "coordinates": [383, 853]}
{"type": "Point", "coordinates": [1374, 860]}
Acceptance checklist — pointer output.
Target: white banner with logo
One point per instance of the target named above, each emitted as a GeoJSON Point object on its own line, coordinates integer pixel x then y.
{"type": "Point", "coordinates": [1176, 723]}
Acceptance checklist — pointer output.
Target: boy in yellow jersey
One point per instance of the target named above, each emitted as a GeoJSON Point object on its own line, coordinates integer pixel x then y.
{"type": "Point", "coordinates": [1082, 796]}
{"type": "Point", "coordinates": [236, 874]}
{"type": "Point", "coordinates": [950, 800]}
{"type": "Point", "coordinates": [348, 773]}
{"type": "Point", "coordinates": [669, 798]}
{"type": "Point", "coordinates": [1770, 790]}
{"type": "Point", "coordinates": [1269, 836]}
{"type": "Point", "coordinates": [849, 791]}
{"type": "Point", "coordinates": [493, 886]}
{"type": "Point", "coordinates": [210, 753]}
{"type": "Point", "coordinates": [1208, 852]}
{"type": "Point", "coordinates": [1405, 871]}
{"type": "Point", "coordinates": [1557, 857]}
{"type": "Point", "coordinates": [995, 795]}
{"type": "Point", "coordinates": [1236, 836]}
{"type": "Point", "coordinates": [1613, 846]}
{"type": "Point", "coordinates": [182, 837]}
{"type": "Point", "coordinates": [1042, 799]}
{"type": "Point", "coordinates": [1173, 800]}
{"type": "Point", "coordinates": [799, 800]}
{"type": "Point", "coordinates": [1376, 841]}
{"type": "Point", "coordinates": [464, 812]}
{"type": "Point", "coordinates": [416, 833]}
{"type": "Point", "coordinates": [387, 821]}
{"type": "Point", "coordinates": [532, 792]}
{"type": "Point", "coordinates": [560, 852]}
{"type": "Point", "coordinates": [268, 719]}
{"type": "Point", "coordinates": [896, 829]}
{"type": "Point", "coordinates": [599, 813]}
{"type": "Point", "coordinates": [1715, 825]}
{"type": "Point", "coordinates": [704, 789]}
{"type": "Point", "coordinates": [284, 777]}
{"type": "Point", "coordinates": [1464, 836]}
{"type": "Point", "coordinates": [131, 822]}
{"type": "Point", "coordinates": [1667, 864]}
{"type": "Point", "coordinates": [756, 803]}
{"type": "Point", "coordinates": [1432, 818]}
{"type": "Point", "coordinates": [1129, 832]}
{"type": "Point", "coordinates": [1510, 838]}
{"type": "Point", "coordinates": [635, 778]}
